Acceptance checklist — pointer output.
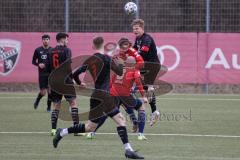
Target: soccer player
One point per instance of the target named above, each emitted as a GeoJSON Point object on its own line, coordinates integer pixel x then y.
{"type": "Point", "coordinates": [39, 59]}
{"type": "Point", "coordinates": [101, 103]}
{"type": "Point", "coordinates": [121, 87]}
{"type": "Point", "coordinates": [146, 47]}
{"type": "Point", "coordinates": [59, 55]}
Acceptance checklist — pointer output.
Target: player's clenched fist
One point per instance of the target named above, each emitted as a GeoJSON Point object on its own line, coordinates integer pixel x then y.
{"type": "Point", "coordinates": [118, 60]}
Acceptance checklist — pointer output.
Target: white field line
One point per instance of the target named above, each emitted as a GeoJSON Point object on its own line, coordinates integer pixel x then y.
{"type": "Point", "coordinates": [188, 99]}
{"type": "Point", "coordinates": [203, 99]}
{"type": "Point", "coordinates": [147, 134]}
{"type": "Point", "coordinates": [169, 94]}
{"type": "Point", "coordinates": [199, 158]}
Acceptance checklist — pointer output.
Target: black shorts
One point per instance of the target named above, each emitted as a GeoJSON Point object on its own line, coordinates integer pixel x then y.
{"type": "Point", "coordinates": [152, 68]}
{"type": "Point", "coordinates": [56, 97]}
{"type": "Point", "coordinates": [43, 82]}
{"type": "Point", "coordinates": [102, 104]}
{"type": "Point", "coordinates": [129, 101]}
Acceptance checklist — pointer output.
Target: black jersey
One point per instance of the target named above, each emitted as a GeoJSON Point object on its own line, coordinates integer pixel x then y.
{"type": "Point", "coordinates": [146, 47]}
{"type": "Point", "coordinates": [41, 56]}
{"type": "Point", "coordinates": [58, 56]}
{"type": "Point", "coordinates": [99, 66]}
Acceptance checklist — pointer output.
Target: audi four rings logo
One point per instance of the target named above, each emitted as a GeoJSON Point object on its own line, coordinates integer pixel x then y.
{"type": "Point", "coordinates": [161, 55]}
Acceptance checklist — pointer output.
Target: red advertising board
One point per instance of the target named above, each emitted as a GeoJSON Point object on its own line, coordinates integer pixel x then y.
{"type": "Point", "coordinates": [190, 57]}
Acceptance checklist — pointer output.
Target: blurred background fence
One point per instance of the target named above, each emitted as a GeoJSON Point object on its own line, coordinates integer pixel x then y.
{"type": "Point", "coordinates": [108, 15]}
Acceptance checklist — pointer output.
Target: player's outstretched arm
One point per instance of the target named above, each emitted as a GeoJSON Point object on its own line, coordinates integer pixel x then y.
{"type": "Point", "coordinates": [139, 85]}
{"type": "Point", "coordinates": [76, 74]}
{"type": "Point", "coordinates": [139, 60]}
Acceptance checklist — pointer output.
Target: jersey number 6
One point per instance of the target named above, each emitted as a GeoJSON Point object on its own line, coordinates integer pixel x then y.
{"type": "Point", "coordinates": [55, 60]}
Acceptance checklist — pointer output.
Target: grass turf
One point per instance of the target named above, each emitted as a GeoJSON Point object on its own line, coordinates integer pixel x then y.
{"type": "Point", "coordinates": [181, 114]}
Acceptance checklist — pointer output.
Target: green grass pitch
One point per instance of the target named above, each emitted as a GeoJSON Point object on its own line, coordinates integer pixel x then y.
{"type": "Point", "coordinates": [192, 127]}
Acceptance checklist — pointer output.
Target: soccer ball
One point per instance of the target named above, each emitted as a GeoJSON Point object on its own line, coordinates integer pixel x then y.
{"type": "Point", "coordinates": [130, 8]}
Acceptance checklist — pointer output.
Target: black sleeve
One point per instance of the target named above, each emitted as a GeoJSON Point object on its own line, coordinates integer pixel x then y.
{"type": "Point", "coordinates": [68, 53]}
{"type": "Point", "coordinates": [117, 68]}
{"type": "Point", "coordinates": [76, 74]}
{"type": "Point", "coordinates": [35, 57]}
{"type": "Point", "coordinates": [146, 42]}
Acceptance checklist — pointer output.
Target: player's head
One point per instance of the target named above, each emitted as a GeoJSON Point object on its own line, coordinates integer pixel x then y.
{"type": "Point", "coordinates": [98, 43]}
{"type": "Point", "coordinates": [45, 40]}
{"type": "Point", "coordinates": [62, 38]}
{"type": "Point", "coordinates": [130, 61]}
{"type": "Point", "coordinates": [124, 44]}
{"type": "Point", "coordinates": [138, 27]}
{"type": "Point", "coordinates": [110, 48]}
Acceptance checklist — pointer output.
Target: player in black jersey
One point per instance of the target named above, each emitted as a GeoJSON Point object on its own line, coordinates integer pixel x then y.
{"type": "Point", "coordinates": [59, 55]}
{"type": "Point", "coordinates": [39, 59]}
{"type": "Point", "coordinates": [101, 103]}
{"type": "Point", "coordinates": [146, 47]}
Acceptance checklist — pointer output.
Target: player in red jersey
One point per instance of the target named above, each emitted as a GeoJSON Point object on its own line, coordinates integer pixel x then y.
{"type": "Point", "coordinates": [121, 85]}
{"type": "Point", "coordinates": [126, 50]}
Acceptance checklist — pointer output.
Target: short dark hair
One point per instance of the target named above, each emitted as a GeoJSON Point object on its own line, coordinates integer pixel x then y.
{"type": "Point", "coordinates": [98, 42]}
{"type": "Point", "coordinates": [45, 36]}
{"type": "Point", "coordinates": [61, 35]}
{"type": "Point", "coordinates": [123, 41]}
{"type": "Point", "coordinates": [139, 22]}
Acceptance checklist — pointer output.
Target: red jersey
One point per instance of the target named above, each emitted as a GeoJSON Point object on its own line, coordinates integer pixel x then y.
{"type": "Point", "coordinates": [132, 52]}
{"type": "Point", "coordinates": [121, 85]}
{"type": "Point", "coordinates": [139, 60]}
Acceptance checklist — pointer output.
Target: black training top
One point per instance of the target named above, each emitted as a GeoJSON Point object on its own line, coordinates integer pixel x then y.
{"type": "Point", "coordinates": [99, 66]}
{"type": "Point", "coordinates": [146, 47]}
{"type": "Point", "coordinates": [41, 56]}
